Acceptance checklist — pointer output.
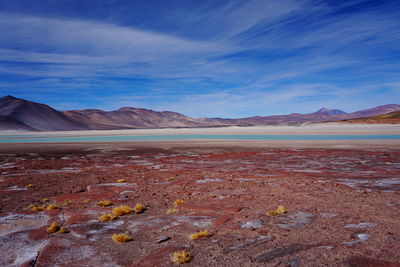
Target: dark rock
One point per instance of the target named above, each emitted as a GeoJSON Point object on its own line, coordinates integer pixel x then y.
{"type": "Point", "coordinates": [279, 252]}
{"type": "Point", "coordinates": [252, 242]}
{"type": "Point", "coordinates": [162, 239]}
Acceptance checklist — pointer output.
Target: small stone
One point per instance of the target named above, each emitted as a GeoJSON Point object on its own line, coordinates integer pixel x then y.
{"type": "Point", "coordinates": [252, 242]}
{"type": "Point", "coordinates": [162, 239]}
{"type": "Point", "coordinates": [360, 225]}
{"type": "Point", "coordinates": [252, 225]}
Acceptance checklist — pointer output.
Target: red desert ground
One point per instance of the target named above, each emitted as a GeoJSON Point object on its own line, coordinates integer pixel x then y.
{"type": "Point", "coordinates": [200, 202]}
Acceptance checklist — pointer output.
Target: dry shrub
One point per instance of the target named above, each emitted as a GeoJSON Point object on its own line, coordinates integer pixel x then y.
{"type": "Point", "coordinates": [181, 257]}
{"type": "Point", "coordinates": [107, 217]}
{"type": "Point", "coordinates": [52, 207]}
{"type": "Point", "coordinates": [38, 208]}
{"type": "Point", "coordinates": [279, 210]}
{"type": "Point", "coordinates": [122, 210]}
{"type": "Point", "coordinates": [178, 202]}
{"type": "Point", "coordinates": [199, 234]}
{"type": "Point", "coordinates": [53, 228]}
{"type": "Point", "coordinates": [120, 238]}
{"type": "Point", "coordinates": [139, 208]}
{"type": "Point", "coordinates": [104, 203]}
{"type": "Point", "coordinates": [172, 211]}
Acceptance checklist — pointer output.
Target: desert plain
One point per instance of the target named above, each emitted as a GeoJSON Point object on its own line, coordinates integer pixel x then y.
{"type": "Point", "coordinates": [341, 199]}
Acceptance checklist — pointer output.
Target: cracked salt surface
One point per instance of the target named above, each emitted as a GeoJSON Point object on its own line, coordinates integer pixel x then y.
{"type": "Point", "coordinates": [162, 183]}
{"type": "Point", "coordinates": [126, 192]}
{"type": "Point", "coordinates": [18, 249]}
{"type": "Point", "coordinates": [18, 222]}
{"type": "Point", "coordinates": [360, 225]}
{"type": "Point", "coordinates": [308, 171]}
{"type": "Point", "coordinates": [245, 179]}
{"type": "Point", "coordinates": [118, 165]}
{"type": "Point", "coordinates": [142, 162]}
{"type": "Point", "coordinates": [170, 222]}
{"type": "Point", "coordinates": [66, 169]}
{"type": "Point", "coordinates": [328, 215]}
{"type": "Point", "coordinates": [203, 181]}
{"type": "Point", "coordinates": [252, 242]}
{"type": "Point", "coordinates": [253, 224]}
{"type": "Point", "coordinates": [361, 238]}
{"type": "Point", "coordinates": [7, 166]}
{"type": "Point", "coordinates": [95, 234]}
{"type": "Point", "coordinates": [296, 219]}
{"type": "Point", "coordinates": [382, 184]}
{"type": "Point", "coordinates": [16, 188]}
{"type": "Point", "coordinates": [74, 254]}
{"type": "Point", "coordinates": [113, 184]}
{"type": "Point", "coordinates": [229, 192]}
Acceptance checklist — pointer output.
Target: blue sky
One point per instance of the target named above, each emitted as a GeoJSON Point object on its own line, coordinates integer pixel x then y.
{"type": "Point", "coordinates": [202, 58]}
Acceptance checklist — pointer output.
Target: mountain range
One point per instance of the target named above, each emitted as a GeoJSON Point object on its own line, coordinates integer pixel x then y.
{"type": "Point", "coordinates": [23, 115]}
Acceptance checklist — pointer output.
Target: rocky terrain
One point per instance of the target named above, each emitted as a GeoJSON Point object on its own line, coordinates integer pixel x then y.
{"type": "Point", "coordinates": [342, 206]}
{"type": "Point", "coordinates": [23, 115]}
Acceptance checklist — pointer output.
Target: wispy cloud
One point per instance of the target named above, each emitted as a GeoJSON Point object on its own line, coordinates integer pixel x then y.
{"type": "Point", "coordinates": [208, 58]}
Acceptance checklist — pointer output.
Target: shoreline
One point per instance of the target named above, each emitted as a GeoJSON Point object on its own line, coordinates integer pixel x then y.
{"type": "Point", "coordinates": [323, 128]}
{"type": "Point", "coordinates": [7, 148]}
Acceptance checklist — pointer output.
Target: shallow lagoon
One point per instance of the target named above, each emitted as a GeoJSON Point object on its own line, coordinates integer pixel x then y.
{"type": "Point", "coordinates": [178, 137]}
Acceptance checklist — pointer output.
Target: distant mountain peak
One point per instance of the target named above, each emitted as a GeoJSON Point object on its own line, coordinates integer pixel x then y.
{"type": "Point", "coordinates": [330, 111]}
{"type": "Point", "coordinates": [8, 97]}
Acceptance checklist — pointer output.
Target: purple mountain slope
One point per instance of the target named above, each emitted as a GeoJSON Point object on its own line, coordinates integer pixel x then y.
{"type": "Point", "coordinates": [19, 114]}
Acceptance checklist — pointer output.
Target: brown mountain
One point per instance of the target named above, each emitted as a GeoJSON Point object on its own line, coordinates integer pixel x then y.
{"type": "Point", "coordinates": [19, 114]}
{"type": "Point", "coordinates": [130, 118]}
{"type": "Point", "coordinates": [379, 110]}
{"type": "Point", "coordinates": [294, 118]}
{"type": "Point", "coordinates": [389, 118]}
{"type": "Point", "coordinates": [321, 115]}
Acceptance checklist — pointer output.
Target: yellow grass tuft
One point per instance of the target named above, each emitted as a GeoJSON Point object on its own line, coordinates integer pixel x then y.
{"type": "Point", "coordinates": [52, 207]}
{"type": "Point", "coordinates": [172, 211]}
{"type": "Point", "coordinates": [139, 208]}
{"type": "Point", "coordinates": [38, 208]}
{"type": "Point", "coordinates": [178, 202]}
{"type": "Point", "coordinates": [45, 200]}
{"type": "Point", "coordinates": [87, 200]}
{"type": "Point", "coordinates": [53, 228]}
{"type": "Point", "coordinates": [181, 257]}
{"type": "Point", "coordinates": [30, 186]}
{"type": "Point", "coordinates": [29, 207]}
{"type": "Point", "coordinates": [279, 210]}
{"type": "Point", "coordinates": [121, 181]}
{"type": "Point", "coordinates": [107, 217]}
{"type": "Point", "coordinates": [104, 203]}
{"type": "Point", "coordinates": [121, 238]}
{"type": "Point", "coordinates": [122, 210]}
{"type": "Point", "coordinates": [66, 203]}
{"type": "Point", "coordinates": [199, 234]}
{"type": "Point", "coordinates": [63, 230]}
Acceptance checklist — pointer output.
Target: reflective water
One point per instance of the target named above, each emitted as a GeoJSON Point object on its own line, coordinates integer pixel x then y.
{"type": "Point", "coordinates": [119, 138]}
